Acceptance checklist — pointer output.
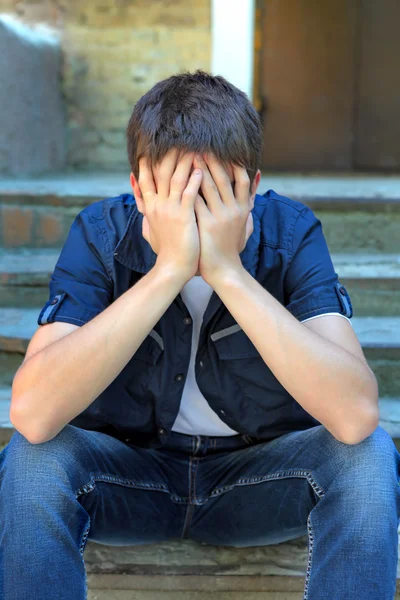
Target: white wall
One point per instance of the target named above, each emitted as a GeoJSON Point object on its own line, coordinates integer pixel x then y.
{"type": "Point", "coordinates": [232, 27]}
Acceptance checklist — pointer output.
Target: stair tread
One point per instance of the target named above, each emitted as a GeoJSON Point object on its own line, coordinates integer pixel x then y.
{"type": "Point", "coordinates": [366, 266]}
{"type": "Point", "coordinates": [32, 260]}
{"type": "Point", "coordinates": [363, 265]}
{"type": "Point", "coordinates": [101, 184]}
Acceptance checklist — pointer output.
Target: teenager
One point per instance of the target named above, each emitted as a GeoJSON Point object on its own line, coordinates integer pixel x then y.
{"type": "Point", "coordinates": [195, 373]}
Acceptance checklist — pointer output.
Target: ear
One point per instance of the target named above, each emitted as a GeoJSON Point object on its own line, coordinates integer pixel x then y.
{"type": "Point", "coordinates": [254, 187]}
{"type": "Point", "coordinates": [137, 193]}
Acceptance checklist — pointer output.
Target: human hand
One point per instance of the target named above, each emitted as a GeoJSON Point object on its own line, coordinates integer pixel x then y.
{"type": "Point", "coordinates": [169, 221]}
{"type": "Point", "coordinates": [224, 219]}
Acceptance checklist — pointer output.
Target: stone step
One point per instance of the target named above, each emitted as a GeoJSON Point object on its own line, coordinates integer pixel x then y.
{"type": "Point", "coordinates": [373, 281]}
{"type": "Point", "coordinates": [379, 337]}
{"type": "Point", "coordinates": [359, 214]}
{"type": "Point", "coordinates": [321, 189]}
{"type": "Point", "coordinates": [25, 275]}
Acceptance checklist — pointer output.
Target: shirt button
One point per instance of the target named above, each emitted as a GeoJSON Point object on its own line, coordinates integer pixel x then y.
{"type": "Point", "coordinates": [161, 431]}
{"type": "Point", "coordinates": [187, 320]}
{"type": "Point", "coordinates": [54, 301]}
{"type": "Point", "coordinates": [201, 363]}
{"type": "Point", "coordinates": [342, 291]}
{"type": "Point", "coordinates": [222, 412]}
{"type": "Point", "coordinates": [179, 377]}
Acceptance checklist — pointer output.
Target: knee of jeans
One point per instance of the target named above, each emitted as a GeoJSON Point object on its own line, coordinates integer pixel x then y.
{"type": "Point", "coordinates": [374, 461]}
{"type": "Point", "coordinates": [24, 460]}
{"type": "Point", "coordinates": [378, 447]}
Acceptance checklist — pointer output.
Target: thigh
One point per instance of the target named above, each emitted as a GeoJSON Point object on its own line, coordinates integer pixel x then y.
{"type": "Point", "coordinates": [262, 494]}
{"type": "Point", "coordinates": [127, 491]}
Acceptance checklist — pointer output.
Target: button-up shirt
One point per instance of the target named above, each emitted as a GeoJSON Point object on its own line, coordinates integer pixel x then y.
{"type": "Point", "coordinates": [105, 254]}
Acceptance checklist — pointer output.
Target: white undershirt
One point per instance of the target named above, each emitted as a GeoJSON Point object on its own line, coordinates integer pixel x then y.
{"type": "Point", "coordinates": [195, 414]}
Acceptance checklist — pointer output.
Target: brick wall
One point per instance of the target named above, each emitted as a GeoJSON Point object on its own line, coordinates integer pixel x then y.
{"type": "Point", "coordinates": [114, 51]}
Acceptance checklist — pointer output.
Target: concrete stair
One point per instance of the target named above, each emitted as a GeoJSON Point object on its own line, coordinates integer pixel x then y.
{"type": "Point", "coordinates": [373, 281]}
{"type": "Point", "coordinates": [361, 222]}
{"type": "Point", "coordinates": [359, 214]}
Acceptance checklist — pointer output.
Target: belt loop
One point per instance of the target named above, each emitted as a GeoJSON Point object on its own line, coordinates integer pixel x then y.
{"type": "Point", "coordinates": [198, 442]}
{"type": "Point", "coordinates": [247, 438]}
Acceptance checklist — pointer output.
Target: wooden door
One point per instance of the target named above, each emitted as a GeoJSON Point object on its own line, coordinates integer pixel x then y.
{"type": "Point", "coordinates": [377, 126]}
{"type": "Point", "coordinates": [330, 84]}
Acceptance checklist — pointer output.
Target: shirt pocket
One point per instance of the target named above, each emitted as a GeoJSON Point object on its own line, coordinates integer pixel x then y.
{"type": "Point", "coordinates": [232, 343]}
{"type": "Point", "coordinates": [243, 372]}
{"type": "Point", "coordinates": [150, 349]}
{"type": "Point", "coordinates": [143, 365]}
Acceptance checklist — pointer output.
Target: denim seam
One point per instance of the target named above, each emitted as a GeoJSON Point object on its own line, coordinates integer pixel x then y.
{"type": "Point", "coordinates": [107, 247]}
{"type": "Point", "coordinates": [125, 482]}
{"type": "Point", "coordinates": [81, 550]}
{"type": "Point", "coordinates": [275, 245]}
{"type": "Point", "coordinates": [89, 487]}
{"type": "Point", "coordinates": [310, 555]}
{"type": "Point", "coordinates": [278, 475]}
{"type": "Point", "coordinates": [186, 520]}
{"type": "Point", "coordinates": [190, 478]}
{"type": "Point", "coordinates": [180, 499]}
{"type": "Point", "coordinates": [292, 232]}
{"type": "Point", "coordinates": [195, 467]}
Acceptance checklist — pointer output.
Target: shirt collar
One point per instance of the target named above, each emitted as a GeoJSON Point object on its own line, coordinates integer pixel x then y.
{"type": "Point", "coordinates": [134, 252]}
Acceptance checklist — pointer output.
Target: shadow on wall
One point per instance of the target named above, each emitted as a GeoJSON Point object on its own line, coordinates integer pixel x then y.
{"type": "Point", "coordinates": [32, 113]}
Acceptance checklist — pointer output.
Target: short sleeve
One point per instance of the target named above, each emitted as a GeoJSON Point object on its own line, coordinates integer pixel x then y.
{"type": "Point", "coordinates": [80, 286]}
{"type": "Point", "coordinates": [312, 286]}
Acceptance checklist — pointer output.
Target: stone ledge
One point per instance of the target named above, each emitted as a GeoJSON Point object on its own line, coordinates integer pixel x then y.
{"type": "Point", "coordinates": [339, 192]}
{"type": "Point", "coordinates": [200, 583]}
{"type": "Point", "coordinates": [187, 560]}
{"type": "Point", "coordinates": [33, 266]}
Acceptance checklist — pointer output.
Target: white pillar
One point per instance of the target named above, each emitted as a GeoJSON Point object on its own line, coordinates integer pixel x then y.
{"type": "Point", "coordinates": [232, 35]}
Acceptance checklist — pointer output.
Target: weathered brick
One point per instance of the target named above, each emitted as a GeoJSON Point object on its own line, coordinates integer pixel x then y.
{"type": "Point", "coordinates": [141, 13]}
{"type": "Point", "coordinates": [48, 230]}
{"type": "Point", "coordinates": [16, 225]}
{"type": "Point", "coordinates": [114, 52]}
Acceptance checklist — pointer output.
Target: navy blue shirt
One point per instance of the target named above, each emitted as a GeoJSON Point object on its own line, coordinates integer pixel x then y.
{"type": "Point", "coordinates": [105, 254]}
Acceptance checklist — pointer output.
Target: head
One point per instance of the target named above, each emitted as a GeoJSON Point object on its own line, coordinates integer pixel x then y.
{"type": "Point", "coordinates": [195, 112]}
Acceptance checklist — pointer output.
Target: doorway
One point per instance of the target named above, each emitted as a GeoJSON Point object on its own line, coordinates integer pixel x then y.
{"type": "Point", "coordinates": [329, 81]}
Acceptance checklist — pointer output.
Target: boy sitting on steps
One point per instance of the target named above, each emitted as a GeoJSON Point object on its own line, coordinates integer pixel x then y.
{"type": "Point", "coordinates": [195, 373]}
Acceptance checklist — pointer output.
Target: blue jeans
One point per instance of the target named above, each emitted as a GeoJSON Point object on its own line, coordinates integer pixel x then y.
{"type": "Point", "coordinates": [224, 491]}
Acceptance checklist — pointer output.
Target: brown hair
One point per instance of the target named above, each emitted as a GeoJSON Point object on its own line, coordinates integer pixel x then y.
{"type": "Point", "coordinates": [195, 112]}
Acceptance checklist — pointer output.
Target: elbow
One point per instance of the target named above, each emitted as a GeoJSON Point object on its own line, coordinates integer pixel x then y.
{"type": "Point", "coordinates": [25, 425]}
{"type": "Point", "coordinates": [367, 419]}
{"type": "Point", "coordinates": [356, 433]}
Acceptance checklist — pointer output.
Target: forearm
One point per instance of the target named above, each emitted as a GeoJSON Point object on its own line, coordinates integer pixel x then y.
{"type": "Point", "coordinates": [327, 381]}
{"type": "Point", "coordinates": [60, 381]}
